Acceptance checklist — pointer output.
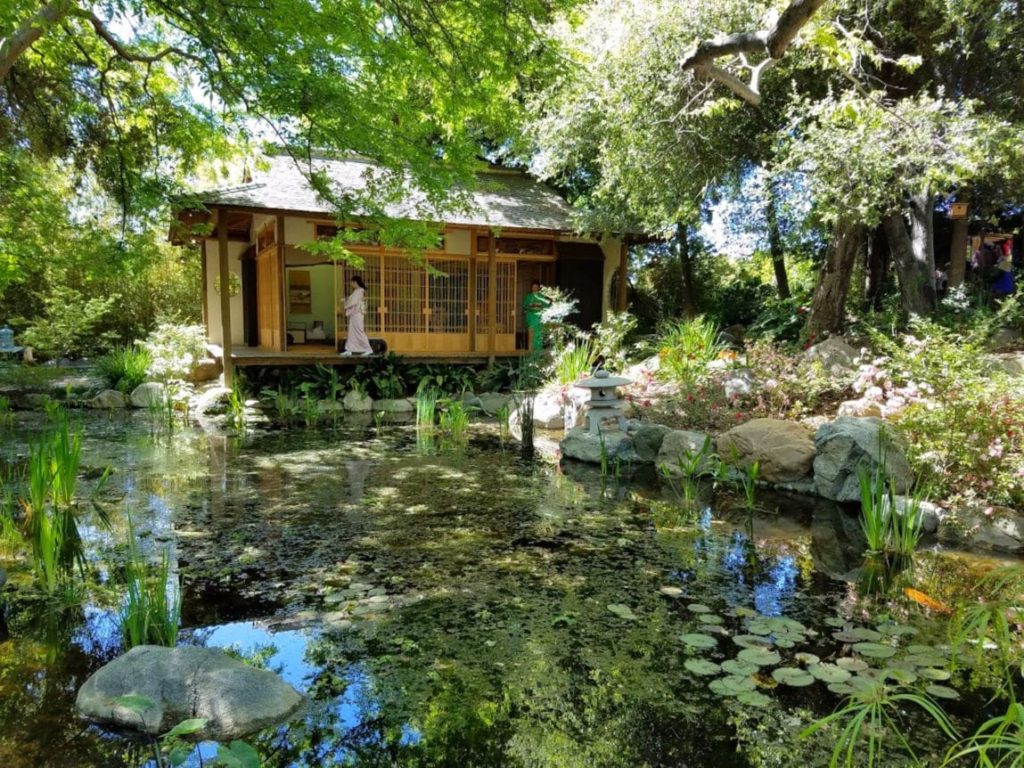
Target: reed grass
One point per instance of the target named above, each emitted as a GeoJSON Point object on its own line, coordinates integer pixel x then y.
{"type": "Point", "coordinates": [575, 361]}
{"type": "Point", "coordinates": [151, 613]}
{"type": "Point", "coordinates": [876, 506]}
{"type": "Point", "coordinates": [426, 408]}
{"type": "Point", "coordinates": [905, 527]}
{"type": "Point", "coordinates": [455, 420]}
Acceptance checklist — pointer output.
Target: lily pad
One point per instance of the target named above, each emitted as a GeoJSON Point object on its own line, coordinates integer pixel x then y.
{"type": "Point", "coordinates": [713, 629]}
{"type": "Point", "coordinates": [918, 649]}
{"type": "Point", "coordinates": [792, 676]}
{"type": "Point", "coordinates": [698, 608]}
{"type": "Point", "coordinates": [900, 675]}
{"type": "Point", "coordinates": [895, 629]}
{"type": "Point", "coordinates": [841, 689]}
{"type": "Point", "coordinates": [784, 641]}
{"type": "Point", "coordinates": [695, 640]}
{"type": "Point", "coordinates": [762, 657]}
{"type": "Point", "coordinates": [786, 625]}
{"type": "Point", "coordinates": [806, 659]}
{"type": "Point", "coordinates": [752, 641]}
{"type": "Point", "coordinates": [671, 591]}
{"type": "Point", "coordinates": [739, 667]}
{"type": "Point", "coordinates": [829, 673]}
{"type": "Point", "coordinates": [925, 660]}
{"type": "Point", "coordinates": [754, 699]}
{"type": "Point", "coordinates": [732, 685]}
{"type": "Point", "coordinates": [711, 618]}
{"type": "Point", "coordinates": [863, 634]}
{"type": "Point", "coordinates": [702, 667]}
{"type": "Point", "coordinates": [942, 691]}
{"type": "Point", "coordinates": [875, 650]}
{"type": "Point", "coordinates": [759, 627]}
{"type": "Point", "coordinates": [836, 621]}
{"type": "Point", "coordinates": [933, 673]}
{"type": "Point", "coordinates": [851, 664]}
{"type": "Point", "coordinates": [743, 612]}
{"type": "Point", "coordinates": [622, 611]}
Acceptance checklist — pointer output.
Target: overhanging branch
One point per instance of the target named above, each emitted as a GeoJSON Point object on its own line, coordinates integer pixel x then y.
{"type": "Point", "coordinates": [771, 43]}
{"type": "Point", "coordinates": [21, 39]}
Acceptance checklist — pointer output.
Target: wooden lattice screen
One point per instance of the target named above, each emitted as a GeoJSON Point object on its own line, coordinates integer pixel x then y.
{"type": "Point", "coordinates": [416, 310]}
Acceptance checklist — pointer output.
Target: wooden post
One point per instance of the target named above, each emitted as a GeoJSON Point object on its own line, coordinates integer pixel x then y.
{"type": "Point", "coordinates": [622, 299]}
{"type": "Point", "coordinates": [206, 287]}
{"type": "Point", "coordinates": [958, 250]}
{"type": "Point", "coordinates": [492, 295]}
{"type": "Point", "coordinates": [225, 295]}
{"type": "Point", "coordinates": [283, 293]}
{"type": "Point", "coordinates": [471, 291]}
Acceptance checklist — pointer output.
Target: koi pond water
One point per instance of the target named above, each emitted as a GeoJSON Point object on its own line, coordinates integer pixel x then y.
{"type": "Point", "coordinates": [459, 605]}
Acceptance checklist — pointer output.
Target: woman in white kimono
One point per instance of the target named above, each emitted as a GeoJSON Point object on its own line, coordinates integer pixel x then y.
{"type": "Point", "coordinates": [356, 341]}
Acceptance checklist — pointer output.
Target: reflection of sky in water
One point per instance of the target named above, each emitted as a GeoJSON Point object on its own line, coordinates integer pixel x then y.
{"type": "Point", "coordinates": [356, 706]}
{"type": "Point", "coordinates": [100, 633]}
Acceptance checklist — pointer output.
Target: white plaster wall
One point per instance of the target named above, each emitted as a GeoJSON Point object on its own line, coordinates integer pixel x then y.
{"type": "Point", "coordinates": [457, 241]}
{"type": "Point", "coordinates": [213, 298]}
{"type": "Point", "coordinates": [298, 231]}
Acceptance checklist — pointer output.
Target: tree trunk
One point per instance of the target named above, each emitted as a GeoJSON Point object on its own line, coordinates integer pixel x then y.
{"type": "Point", "coordinates": [21, 39]}
{"type": "Point", "coordinates": [913, 251]}
{"type": "Point", "coordinates": [775, 243]}
{"type": "Point", "coordinates": [688, 292]}
{"type": "Point", "coordinates": [958, 253]}
{"type": "Point", "coordinates": [878, 267]}
{"type": "Point", "coordinates": [828, 308]}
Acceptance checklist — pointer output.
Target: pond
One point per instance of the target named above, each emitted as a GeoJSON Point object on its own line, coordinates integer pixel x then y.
{"type": "Point", "coordinates": [461, 605]}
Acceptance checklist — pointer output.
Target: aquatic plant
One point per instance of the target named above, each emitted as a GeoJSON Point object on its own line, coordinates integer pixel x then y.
{"type": "Point", "coordinates": [504, 416]}
{"type": "Point", "coordinates": [11, 540]}
{"type": "Point", "coordinates": [876, 508]}
{"type": "Point", "coordinates": [455, 420]}
{"type": "Point", "coordinates": [906, 525]}
{"type": "Point", "coordinates": [236, 405]}
{"type": "Point", "coordinates": [65, 459]}
{"type": "Point", "coordinates": [309, 406]}
{"type": "Point", "coordinates": [426, 407]}
{"type": "Point", "coordinates": [124, 368]}
{"type": "Point", "coordinates": [871, 713]}
{"type": "Point", "coordinates": [749, 482]}
{"type": "Point", "coordinates": [997, 743]}
{"type": "Point", "coordinates": [378, 420]}
{"type": "Point", "coordinates": [990, 624]}
{"type": "Point", "coordinates": [151, 613]}
{"type": "Point", "coordinates": [284, 404]}
{"type": "Point", "coordinates": [692, 466]}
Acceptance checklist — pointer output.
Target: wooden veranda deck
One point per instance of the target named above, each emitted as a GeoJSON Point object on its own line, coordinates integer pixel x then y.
{"type": "Point", "coordinates": [325, 354]}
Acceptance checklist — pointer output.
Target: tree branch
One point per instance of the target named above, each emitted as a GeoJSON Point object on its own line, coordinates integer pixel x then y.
{"type": "Point", "coordinates": [126, 53]}
{"type": "Point", "coordinates": [772, 43]}
{"type": "Point", "coordinates": [19, 41]}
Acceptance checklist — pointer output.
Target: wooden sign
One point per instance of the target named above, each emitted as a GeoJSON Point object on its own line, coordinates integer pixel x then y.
{"type": "Point", "coordinates": [958, 211]}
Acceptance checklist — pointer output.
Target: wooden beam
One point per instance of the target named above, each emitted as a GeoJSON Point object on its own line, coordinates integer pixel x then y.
{"type": "Point", "coordinates": [225, 298]}
{"type": "Point", "coordinates": [620, 303]}
{"type": "Point", "coordinates": [283, 293]}
{"type": "Point", "coordinates": [471, 292]}
{"type": "Point", "coordinates": [492, 295]}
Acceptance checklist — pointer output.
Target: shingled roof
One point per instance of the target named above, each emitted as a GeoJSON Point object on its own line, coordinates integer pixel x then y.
{"type": "Point", "coordinates": [501, 198]}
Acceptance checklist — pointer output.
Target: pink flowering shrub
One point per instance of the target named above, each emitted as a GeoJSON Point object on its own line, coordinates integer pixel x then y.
{"type": "Point", "coordinates": [963, 422]}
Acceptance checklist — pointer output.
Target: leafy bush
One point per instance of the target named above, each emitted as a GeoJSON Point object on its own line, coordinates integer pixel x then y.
{"type": "Point", "coordinates": [686, 347]}
{"type": "Point", "coordinates": [610, 340]}
{"type": "Point", "coordinates": [67, 326]}
{"type": "Point", "coordinates": [779, 320]}
{"type": "Point", "coordinates": [124, 368]}
{"type": "Point", "coordinates": [574, 361]}
{"type": "Point", "coordinates": [175, 349]}
{"type": "Point", "coordinates": [964, 431]}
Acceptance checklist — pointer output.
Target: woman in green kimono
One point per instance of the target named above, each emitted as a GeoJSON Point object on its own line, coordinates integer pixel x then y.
{"type": "Point", "coordinates": [534, 303]}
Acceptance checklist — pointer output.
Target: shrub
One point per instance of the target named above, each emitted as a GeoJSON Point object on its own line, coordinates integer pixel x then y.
{"type": "Point", "coordinates": [964, 429]}
{"type": "Point", "coordinates": [573, 361]}
{"type": "Point", "coordinates": [124, 368]}
{"type": "Point", "coordinates": [175, 349]}
{"type": "Point", "coordinates": [686, 347]}
{"type": "Point", "coordinates": [610, 340]}
{"type": "Point", "coordinates": [68, 324]}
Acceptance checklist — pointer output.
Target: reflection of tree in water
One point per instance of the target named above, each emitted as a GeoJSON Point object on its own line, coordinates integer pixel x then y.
{"type": "Point", "coordinates": [511, 657]}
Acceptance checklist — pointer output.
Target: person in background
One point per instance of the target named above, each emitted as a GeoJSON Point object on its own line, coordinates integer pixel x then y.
{"type": "Point", "coordinates": [534, 304]}
{"type": "Point", "coordinates": [1002, 284]}
{"type": "Point", "coordinates": [356, 341]}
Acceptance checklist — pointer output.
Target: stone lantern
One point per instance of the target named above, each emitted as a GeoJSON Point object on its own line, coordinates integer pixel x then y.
{"type": "Point", "coordinates": [604, 400]}
{"type": "Point", "coordinates": [7, 345]}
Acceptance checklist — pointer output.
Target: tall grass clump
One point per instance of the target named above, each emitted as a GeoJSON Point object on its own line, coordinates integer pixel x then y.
{"type": "Point", "coordinates": [686, 347]}
{"type": "Point", "coordinates": [151, 614]}
{"type": "Point", "coordinates": [876, 508]}
{"type": "Point", "coordinates": [574, 361]}
{"type": "Point", "coordinates": [426, 408]}
{"type": "Point", "coordinates": [455, 420]}
{"type": "Point", "coordinates": [124, 368]}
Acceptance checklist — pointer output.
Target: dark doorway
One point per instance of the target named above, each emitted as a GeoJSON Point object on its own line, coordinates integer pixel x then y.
{"type": "Point", "coordinates": [250, 319]}
{"type": "Point", "coordinates": [580, 271]}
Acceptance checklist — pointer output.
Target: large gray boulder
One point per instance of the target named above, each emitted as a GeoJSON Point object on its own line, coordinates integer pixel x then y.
{"type": "Point", "coordinates": [148, 395]}
{"type": "Point", "coordinates": [1011, 363]}
{"type": "Point", "coordinates": [107, 400]}
{"type": "Point", "coordinates": [648, 439]}
{"type": "Point", "coordinates": [783, 450]}
{"type": "Point", "coordinates": [398, 405]}
{"type": "Point", "coordinates": [835, 355]}
{"type": "Point", "coordinates": [583, 445]}
{"type": "Point", "coordinates": [357, 402]}
{"type": "Point", "coordinates": [234, 698]}
{"type": "Point", "coordinates": [675, 445]}
{"type": "Point", "coordinates": [848, 445]}
{"type": "Point", "coordinates": [206, 369]}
